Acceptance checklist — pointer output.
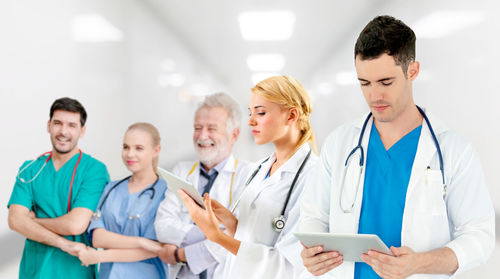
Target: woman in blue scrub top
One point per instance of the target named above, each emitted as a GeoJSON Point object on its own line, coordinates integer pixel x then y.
{"type": "Point", "coordinates": [123, 223]}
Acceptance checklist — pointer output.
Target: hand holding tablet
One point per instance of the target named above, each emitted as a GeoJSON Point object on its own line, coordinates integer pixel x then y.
{"type": "Point", "coordinates": [175, 183]}
{"type": "Point", "coordinates": [350, 246]}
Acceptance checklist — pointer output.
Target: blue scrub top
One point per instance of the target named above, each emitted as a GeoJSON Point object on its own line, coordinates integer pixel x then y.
{"type": "Point", "coordinates": [384, 192]}
{"type": "Point", "coordinates": [115, 213]}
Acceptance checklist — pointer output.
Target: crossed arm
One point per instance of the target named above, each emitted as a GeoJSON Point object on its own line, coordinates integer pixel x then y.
{"type": "Point", "coordinates": [74, 222]}
{"type": "Point", "coordinates": [22, 222]}
{"type": "Point", "coordinates": [118, 248]}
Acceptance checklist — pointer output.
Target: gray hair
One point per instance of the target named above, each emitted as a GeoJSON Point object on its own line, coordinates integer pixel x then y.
{"type": "Point", "coordinates": [223, 100]}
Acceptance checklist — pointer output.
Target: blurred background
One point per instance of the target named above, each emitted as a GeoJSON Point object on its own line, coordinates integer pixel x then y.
{"type": "Point", "coordinates": [154, 60]}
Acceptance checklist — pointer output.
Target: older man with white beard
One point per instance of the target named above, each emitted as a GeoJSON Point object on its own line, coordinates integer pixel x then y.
{"type": "Point", "coordinates": [216, 129]}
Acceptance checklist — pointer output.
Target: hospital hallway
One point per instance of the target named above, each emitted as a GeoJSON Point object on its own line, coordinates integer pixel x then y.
{"type": "Point", "coordinates": [154, 60]}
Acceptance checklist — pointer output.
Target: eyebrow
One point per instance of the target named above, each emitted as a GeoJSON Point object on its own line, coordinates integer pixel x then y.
{"type": "Point", "coordinates": [257, 107]}
{"type": "Point", "coordinates": [380, 80]}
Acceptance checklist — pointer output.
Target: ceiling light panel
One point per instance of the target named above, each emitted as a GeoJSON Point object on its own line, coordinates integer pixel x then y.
{"type": "Point", "coordinates": [270, 62]}
{"type": "Point", "coordinates": [267, 25]}
{"type": "Point", "coordinates": [93, 28]}
{"type": "Point", "coordinates": [258, 77]}
{"type": "Point", "coordinates": [443, 23]}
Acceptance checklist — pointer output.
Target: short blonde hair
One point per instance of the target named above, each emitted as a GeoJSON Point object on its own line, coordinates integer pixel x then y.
{"type": "Point", "coordinates": [288, 92]}
{"type": "Point", "coordinates": [153, 132]}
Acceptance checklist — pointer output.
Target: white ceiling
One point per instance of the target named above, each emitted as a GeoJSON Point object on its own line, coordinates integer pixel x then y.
{"type": "Point", "coordinates": [210, 30]}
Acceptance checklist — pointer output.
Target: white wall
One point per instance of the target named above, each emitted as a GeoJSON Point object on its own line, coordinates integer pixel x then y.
{"type": "Point", "coordinates": [117, 82]}
{"type": "Point", "coordinates": [457, 80]}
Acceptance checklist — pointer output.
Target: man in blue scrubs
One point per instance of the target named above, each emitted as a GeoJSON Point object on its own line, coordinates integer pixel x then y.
{"type": "Point", "coordinates": [54, 197]}
{"type": "Point", "coordinates": [423, 191]}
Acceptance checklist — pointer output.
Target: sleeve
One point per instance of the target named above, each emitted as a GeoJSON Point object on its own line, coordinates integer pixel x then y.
{"type": "Point", "coordinates": [98, 222]}
{"type": "Point", "coordinates": [198, 257]}
{"type": "Point", "coordinates": [96, 177]}
{"type": "Point", "coordinates": [172, 222]}
{"type": "Point", "coordinates": [21, 193]}
{"type": "Point", "coordinates": [315, 201]}
{"type": "Point", "coordinates": [471, 213]}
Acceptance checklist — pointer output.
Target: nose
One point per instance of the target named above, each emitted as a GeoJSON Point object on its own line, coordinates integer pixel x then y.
{"type": "Point", "coordinates": [203, 134]}
{"type": "Point", "coordinates": [376, 93]}
{"type": "Point", "coordinates": [251, 121]}
{"type": "Point", "coordinates": [64, 130]}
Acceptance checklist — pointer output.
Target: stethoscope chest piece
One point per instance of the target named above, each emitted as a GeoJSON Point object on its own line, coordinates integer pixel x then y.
{"type": "Point", "coordinates": [278, 223]}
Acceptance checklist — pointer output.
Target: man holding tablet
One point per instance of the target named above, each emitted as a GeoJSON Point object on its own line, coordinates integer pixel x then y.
{"type": "Point", "coordinates": [217, 172]}
{"type": "Point", "coordinates": [397, 173]}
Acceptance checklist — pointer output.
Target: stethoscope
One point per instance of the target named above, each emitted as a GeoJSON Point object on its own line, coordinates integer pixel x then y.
{"type": "Point", "coordinates": [232, 178]}
{"type": "Point", "coordinates": [362, 159]}
{"type": "Point", "coordinates": [98, 214]}
{"type": "Point", "coordinates": [18, 176]}
{"type": "Point", "coordinates": [278, 222]}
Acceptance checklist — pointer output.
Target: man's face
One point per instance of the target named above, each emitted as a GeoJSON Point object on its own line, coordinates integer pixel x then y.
{"type": "Point", "coordinates": [387, 91]}
{"type": "Point", "coordinates": [212, 142]}
{"type": "Point", "coordinates": [65, 130]}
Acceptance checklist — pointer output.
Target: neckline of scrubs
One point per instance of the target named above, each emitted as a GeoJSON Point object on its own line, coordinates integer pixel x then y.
{"type": "Point", "coordinates": [65, 164]}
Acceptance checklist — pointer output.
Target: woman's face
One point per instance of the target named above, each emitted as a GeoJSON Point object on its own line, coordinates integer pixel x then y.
{"type": "Point", "coordinates": [138, 151]}
{"type": "Point", "coordinates": [269, 121]}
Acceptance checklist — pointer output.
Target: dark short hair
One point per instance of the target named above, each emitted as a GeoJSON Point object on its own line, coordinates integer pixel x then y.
{"type": "Point", "coordinates": [71, 105]}
{"type": "Point", "coordinates": [386, 34]}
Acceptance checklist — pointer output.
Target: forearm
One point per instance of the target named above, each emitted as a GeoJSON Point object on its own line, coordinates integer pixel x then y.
{"type": "Point", "coordinates": [439, 261]}
{"type": "Point", "coordinates": [26, 226]}
{"type": "Point", "coordinates": [74, 222]}
{"type": "Point", "coordinates": [124, 255]}
{"type": "Point", "coordinates": [228, 242]}
{"type": "Point", "coordinates": [103, 238]}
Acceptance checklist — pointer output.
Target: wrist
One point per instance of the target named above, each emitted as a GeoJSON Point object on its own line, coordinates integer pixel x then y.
{"type": "Point", "coordinates": [216, 236]}
{"type": "Point", "coordinates": [421, 263]}
{"type": "Point", "coordinates": [180, 255]}
{"type": "Point", "coordinates": [62, 243]}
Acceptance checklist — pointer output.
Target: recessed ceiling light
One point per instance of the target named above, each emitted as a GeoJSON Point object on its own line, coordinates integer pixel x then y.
{"type": "Point", "coordinates": [266, 25]}
{"type": "Point", "coordinates": [443, 23]}
{"type": "Point", "coordinates": [258, 77]}
{"type": "Point", "coordinates": [94, 28]}
{"type": "Point", "coordinates": [346, 78]}
{"type": "Point", "coordinates": [174, 80]}
{"type": "Point", "coordinates": [271, 62]}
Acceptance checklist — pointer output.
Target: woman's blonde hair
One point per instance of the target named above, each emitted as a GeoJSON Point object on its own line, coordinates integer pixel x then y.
{"type": "Point", "coordinates": [153, 132]}
{"type": "Point", "coordinates": [289, 93]}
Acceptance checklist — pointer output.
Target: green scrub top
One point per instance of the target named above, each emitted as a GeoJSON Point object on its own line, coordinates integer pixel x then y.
{"type": "Point", "coordinates": [48, 197]}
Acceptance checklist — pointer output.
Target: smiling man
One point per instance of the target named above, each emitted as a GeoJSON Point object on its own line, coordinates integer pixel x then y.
{"type": "Point", "coordinates": [398, 173]}
{"type": "Point", "coordinates": [54, 198]}
{"type": "Point", "coordinates": [217, 172]}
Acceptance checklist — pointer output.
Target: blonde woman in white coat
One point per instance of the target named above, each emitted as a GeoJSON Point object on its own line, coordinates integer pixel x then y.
{"type": "Point", "coordinates": [279, 114]}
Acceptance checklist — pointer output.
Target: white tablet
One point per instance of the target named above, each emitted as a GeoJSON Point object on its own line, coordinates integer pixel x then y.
{"type": "Point", "coordinates": [175, 183]}
{"type": "Point", "coordinates": [350, 246]}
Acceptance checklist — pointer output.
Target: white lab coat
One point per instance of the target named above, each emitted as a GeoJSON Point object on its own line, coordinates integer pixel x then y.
{"type": "Point", "coordinates": [265, 253]}
{"type": "Point", "coordinates": [173, 221]}
{"type": "Point", "coordinates": [464, 221]}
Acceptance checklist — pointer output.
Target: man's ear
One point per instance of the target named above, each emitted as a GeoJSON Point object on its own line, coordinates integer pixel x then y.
{"type": "Point", "coordinates": [413, 70]}
{"type": "Point", "coordinates": [82, 133]}
{"type": "Point", "coordinates": [235, 134]}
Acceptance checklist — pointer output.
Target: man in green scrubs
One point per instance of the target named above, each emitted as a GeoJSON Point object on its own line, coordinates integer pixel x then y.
{"type": "Point", "coordinates": [54, 198]}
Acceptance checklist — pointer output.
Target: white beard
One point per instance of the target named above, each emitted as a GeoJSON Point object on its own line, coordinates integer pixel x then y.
{"type": "Point", "coordinates": [211, 155]}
